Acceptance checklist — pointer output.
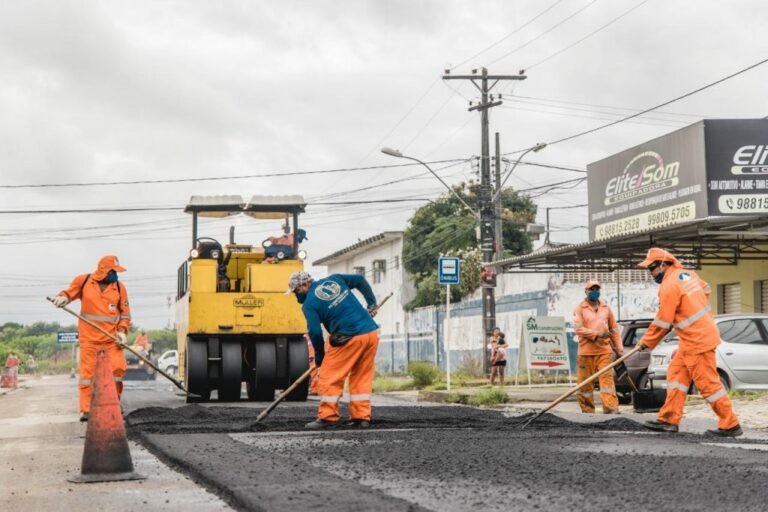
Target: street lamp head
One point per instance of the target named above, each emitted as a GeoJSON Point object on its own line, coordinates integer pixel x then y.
{"type": "Point", "coordinates": [538, 147]}
{"type": "Point", "coordinates": [391, 152]}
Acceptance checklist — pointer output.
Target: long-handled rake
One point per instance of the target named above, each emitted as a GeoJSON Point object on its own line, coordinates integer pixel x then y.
{"type": "Point", "coordinates": [114, 338]}
{"type": "Point", "coordinates": [579, 385]}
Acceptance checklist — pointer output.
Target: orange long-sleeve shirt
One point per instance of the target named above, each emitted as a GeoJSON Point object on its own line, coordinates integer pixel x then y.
{"type": "Point", "coordinates": [589, 323]}
{"type": "Point", "coordinates": [684, 306]}
{"type": "Point", "coordinates": [108, 309]}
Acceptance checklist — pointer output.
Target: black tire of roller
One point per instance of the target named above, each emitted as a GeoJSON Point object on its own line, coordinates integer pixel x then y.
{"type": "Point", "coordinates": [298, 364]}
{"type": "Point", "coordinates": [231, 379]}
{"type": "Point", "coordinates": [197, 371]}
{"type": "Point", "coordinates": [261, 388]}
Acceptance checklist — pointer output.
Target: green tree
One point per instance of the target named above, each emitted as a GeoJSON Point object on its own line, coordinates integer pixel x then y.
{"type": "Point", "coordinates": [446, 228]}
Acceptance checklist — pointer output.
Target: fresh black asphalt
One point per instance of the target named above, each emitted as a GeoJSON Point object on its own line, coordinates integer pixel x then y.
{"type": "Point", "coordinates": [451, 459]}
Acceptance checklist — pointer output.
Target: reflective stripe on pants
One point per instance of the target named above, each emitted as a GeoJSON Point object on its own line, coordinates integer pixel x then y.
{"type": "Point", "coordinates": [588, 366]}
{"type": "Point", "coordinates": [702, 370]}
{"type": "Point", "coordinates": [356, 360]}
{"type": "Point", "coordinates": [88, 367]}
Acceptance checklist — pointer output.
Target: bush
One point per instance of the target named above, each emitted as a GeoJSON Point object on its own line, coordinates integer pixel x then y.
{"type": "Point", "coordinates": [471, 366]}
{"type": "Point", "coordinates": [488, 397]}
{"type": "Point", "coordinates": [423, 373]}
{"type": "Point", "coordinates": [382, 384]}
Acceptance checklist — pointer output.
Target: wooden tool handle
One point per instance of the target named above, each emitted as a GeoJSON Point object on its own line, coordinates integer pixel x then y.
{"type": "Point", "coordinates": [114, 338]}
{"type": "Point", "coordinates": [283, 395]}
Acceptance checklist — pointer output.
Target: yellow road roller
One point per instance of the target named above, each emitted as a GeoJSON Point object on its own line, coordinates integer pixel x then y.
{"type": "Point", "coordinates": [234, 323]}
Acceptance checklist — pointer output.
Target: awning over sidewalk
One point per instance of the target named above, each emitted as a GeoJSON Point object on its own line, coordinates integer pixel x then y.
{"type": "Point", "coordinates": [709, 241]}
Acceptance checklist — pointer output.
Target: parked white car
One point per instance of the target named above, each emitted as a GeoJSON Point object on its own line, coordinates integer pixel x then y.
{"type": "Point", "coordinates": [168, 362]}
{"type": "Point", "coordinates": [742, 356]}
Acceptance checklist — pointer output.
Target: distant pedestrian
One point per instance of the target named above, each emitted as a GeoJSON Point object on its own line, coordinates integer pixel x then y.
{"type": "Point", "coordinates": [596, 329]}
{"type": "Point", "coordinates": [31, 365]}
{"type": "Point", "coordinates": [498, 357]}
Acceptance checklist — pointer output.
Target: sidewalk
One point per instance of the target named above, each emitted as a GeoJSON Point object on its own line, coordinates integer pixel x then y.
{"type": "Point", "coordinates": [41, 445]}
{"type": "Point", "coordinates": [753, 412]}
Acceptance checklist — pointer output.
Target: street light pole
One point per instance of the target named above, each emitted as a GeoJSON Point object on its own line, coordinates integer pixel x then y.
{"type": "Point", "coordinates": [396, 153]}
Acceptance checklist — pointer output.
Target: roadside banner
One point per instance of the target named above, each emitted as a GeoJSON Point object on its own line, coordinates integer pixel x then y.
{"type": "Point", "coordinates": [543, 345]}
{"type": "Point", "coordinates": [67, 337]}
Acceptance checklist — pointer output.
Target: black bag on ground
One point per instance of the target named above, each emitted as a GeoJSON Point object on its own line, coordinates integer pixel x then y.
{"type": "Point", "coordinates": [648, 400]}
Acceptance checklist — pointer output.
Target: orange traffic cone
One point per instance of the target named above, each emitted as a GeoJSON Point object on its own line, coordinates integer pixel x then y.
{"type": "Point", "coordinates": [106, 457]}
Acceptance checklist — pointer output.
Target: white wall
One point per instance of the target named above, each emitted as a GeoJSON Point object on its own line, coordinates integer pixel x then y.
{"type": "Point", "coordinates": [391, 317]}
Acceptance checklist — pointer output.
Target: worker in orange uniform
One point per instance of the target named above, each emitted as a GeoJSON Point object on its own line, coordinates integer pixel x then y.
{"type": "Point", "coordinates": [143, 342]}
{"type": "Point", "coordinates": [684, 306]}
{"type": "Point", "coordinates": [596, 328]}
{"type": "Point", "coordinates": [312, 366]}
{"type": "Point", "coordinates": [103, 301]}
{"type": "Point", "coordinates": [353, 342]}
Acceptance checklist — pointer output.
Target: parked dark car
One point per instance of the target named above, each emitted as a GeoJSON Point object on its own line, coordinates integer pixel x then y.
{"type": "Point", "coordinates": [637, 364]}
{"type": "Point", "coordinates": [136, 369]}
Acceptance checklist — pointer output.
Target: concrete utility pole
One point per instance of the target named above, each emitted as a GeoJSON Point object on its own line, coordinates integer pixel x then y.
{"type": "Point", "coordinates": [497, 206]}
{"type": "Point", "coordinates": [485, 202]}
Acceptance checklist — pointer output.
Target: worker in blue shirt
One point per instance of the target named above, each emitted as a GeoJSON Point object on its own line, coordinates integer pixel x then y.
{"type": "Point", "coordinates": [354, 338]}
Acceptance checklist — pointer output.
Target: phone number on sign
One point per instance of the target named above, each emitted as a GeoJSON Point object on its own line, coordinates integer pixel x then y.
{"type": "Point", "coordinates": [750, 203]}
{"type": "Point", "coordinates": [648, 220]}
{"type": "Point", "coordinates": [668, 215]}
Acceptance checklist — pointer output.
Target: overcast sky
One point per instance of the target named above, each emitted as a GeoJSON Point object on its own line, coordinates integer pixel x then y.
{"type": "Point", "coordinates": [125, 91]}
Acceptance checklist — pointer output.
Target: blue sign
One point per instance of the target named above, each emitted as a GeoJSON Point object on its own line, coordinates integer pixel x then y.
{"type": "Point", "coordinates": [67, 337]}
{"type": "Point", "coordinates": [448, 270]}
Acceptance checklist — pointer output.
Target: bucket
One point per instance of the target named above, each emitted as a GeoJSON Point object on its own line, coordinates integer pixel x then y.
{"type": "Point", "coordinates": [648, 400]}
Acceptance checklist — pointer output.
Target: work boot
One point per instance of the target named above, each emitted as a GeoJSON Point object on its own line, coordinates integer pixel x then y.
{"type": "Point", "coordinates": [660, 426]}
{"type": "Point", "coordinates": [84, 416]}
{"type": "Point", "coordinates": [321, 424]}
{"type": "Point", "coordinates": [359, 424]}
{"type": "Point", "coordinates": [726, 432]}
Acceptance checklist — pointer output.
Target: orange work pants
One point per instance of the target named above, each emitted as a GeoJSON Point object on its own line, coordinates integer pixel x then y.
{"type": "Point", "coordinates": [588, 366]}
{"type": "Point", "coordinates": [88, 368]}
{"type": "Point", "coordinates": [356, 360]}
{"type": "Point", "coordinates": [702, 370]}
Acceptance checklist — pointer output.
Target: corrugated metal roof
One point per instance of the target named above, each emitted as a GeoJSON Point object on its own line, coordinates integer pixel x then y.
{"type": "Point", "coordinates": [711, 241]}
{"type": "Point", "coordinates": [360, 246]}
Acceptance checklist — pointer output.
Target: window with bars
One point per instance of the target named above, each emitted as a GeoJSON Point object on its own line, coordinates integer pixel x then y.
{"type": "Point", "coordinates": [359, 270]}
{"type": "Point", "coordinates": [379, 269]}
{"type": "Point", "coordinates": [624, 276]}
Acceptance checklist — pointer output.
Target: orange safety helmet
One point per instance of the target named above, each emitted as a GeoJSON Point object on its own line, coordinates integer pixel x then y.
{"type": "Point", "coordinates": [659, 254]}
{"type": "Point", "coordinates": [106, 264]}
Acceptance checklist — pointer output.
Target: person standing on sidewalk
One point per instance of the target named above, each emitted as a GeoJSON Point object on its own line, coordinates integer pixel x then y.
{"type": "Point", "coordinates": [354, 339]}
{"type": "Point", "coordinates": [596, 328]}
{"type": "Point", "coordinates": [103, 301]}
{"type": "Point", "coordinates": [498, 357]}
{"type": "Point", "coordinates": [684, 306]}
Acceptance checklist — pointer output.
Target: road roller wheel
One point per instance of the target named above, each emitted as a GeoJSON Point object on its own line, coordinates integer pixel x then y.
{"type": "Point", "coordinates": [231, 371]}
{"type": "Point", "coordinates": [197, 371]}
{"type": "Point", "coordinates": [298, 364]}
{"type": "Point", "coordinates": [261, 387]}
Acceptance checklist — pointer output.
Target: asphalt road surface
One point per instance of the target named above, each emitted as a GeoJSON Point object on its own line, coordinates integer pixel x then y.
{"type": "Point", "coordinates": [444, 459]}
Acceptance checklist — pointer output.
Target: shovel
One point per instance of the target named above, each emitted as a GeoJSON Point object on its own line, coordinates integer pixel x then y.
{"type": "Point", "coordinates": [149, 363]}
{"type": "Point", "coordinates": [580, 384]}
{"type": "Point", "coordinates": [305, 375]}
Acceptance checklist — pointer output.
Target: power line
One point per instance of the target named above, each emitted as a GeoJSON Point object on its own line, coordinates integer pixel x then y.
{"type": "Point", "coordinates": [550, 29]}
{"type": "Point", "coordinates": [221, 178]}
{"type": "Point", "coordinates": [651, 109]}
{"type": "Point", "coordinates": [614, 20]}
{"type": "Point", "coordinates": [546, 102]}
{"type": "Point", "coordinates": [515, 31]}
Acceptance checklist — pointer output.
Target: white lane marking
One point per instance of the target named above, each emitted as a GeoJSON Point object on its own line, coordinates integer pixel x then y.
{"type": "Point", "coordinates": [758, 447]}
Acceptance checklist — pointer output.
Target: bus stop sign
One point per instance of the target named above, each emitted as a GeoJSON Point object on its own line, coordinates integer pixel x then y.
{"type": "Point", "coordinates": [448, 270]}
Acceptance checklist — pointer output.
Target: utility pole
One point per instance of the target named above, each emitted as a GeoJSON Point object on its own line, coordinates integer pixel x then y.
{"type": "Point", "coordinates": [485, 203]}
{"type": "Point", "coordinates": [499, 226]}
